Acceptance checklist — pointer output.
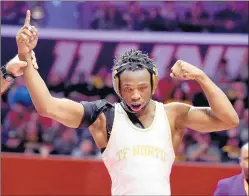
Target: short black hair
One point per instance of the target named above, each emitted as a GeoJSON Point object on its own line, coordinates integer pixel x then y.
{"type": "Point", "coordinates": [134, 56]}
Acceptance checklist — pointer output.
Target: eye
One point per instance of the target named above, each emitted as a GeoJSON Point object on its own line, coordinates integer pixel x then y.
{"type": "Point", "coordinates": [142, 88]}
{"type": "Point", "coordinates": [127, 89]}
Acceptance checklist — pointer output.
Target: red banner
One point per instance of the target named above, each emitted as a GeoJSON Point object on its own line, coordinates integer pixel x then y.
{"type": "Point", "coordinates": [24, 175]}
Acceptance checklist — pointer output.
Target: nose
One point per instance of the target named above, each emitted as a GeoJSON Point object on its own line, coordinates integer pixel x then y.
{"type": "Point", "coordinates": [135, 96]}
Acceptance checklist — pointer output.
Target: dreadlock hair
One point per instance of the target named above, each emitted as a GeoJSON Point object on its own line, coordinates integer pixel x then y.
{"type": "Point", "coordinates": [134, 56]}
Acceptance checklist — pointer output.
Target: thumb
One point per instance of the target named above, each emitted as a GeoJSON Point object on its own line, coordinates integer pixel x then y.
{"type": "Point", "coordinates": [23, 64]}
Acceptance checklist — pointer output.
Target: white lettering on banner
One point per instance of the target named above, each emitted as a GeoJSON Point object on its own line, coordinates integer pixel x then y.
{"type": "Point", "coordinates": [209, 64]}
{"type": "Point", "coordinates": [235, 57]}
{"type": "Point", "coordinates": [162, 54]}
{"type": "Point", "coordinates": [190, 54]}
{"type": "Point", "coordinates": [88, 54]}
{"type": "Point", "coordinates": [212, 59]}
{"type": "Point", "coordinates": [193, 55]}
{"type": "Point", "coordinates": [64, 52]}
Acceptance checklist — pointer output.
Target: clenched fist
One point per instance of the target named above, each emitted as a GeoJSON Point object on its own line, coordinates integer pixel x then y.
{"type": "Point", "coordinates": [185, 71]}
{"type": "Point", "coordinates": [26, 38]}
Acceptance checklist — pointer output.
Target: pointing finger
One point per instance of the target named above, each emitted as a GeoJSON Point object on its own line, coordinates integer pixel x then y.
{"type": "Point", "coordinates": [27, 19]}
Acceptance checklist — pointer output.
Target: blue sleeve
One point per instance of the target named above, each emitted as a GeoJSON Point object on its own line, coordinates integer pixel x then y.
{"type": "Point", "coordinates": [221, 189]}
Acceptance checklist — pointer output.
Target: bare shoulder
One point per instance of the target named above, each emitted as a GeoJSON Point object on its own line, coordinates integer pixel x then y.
{"type": "Point", "coordinates": [177, 108]}
{"type": "Point", "coordinates": [176, 111]}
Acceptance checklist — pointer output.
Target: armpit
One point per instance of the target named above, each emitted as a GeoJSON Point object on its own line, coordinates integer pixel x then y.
{"type": "Point", "coordinates": [92, 110]}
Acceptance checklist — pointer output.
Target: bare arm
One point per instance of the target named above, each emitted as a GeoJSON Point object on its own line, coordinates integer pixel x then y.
{"type": "Point", "coordinates": [65, 111]}
{"type": "Point", "coordinates": [219, 116]}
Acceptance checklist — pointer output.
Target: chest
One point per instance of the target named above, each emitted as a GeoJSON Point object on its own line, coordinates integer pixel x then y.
{"type": "Point", "coordinates": [127, 137]}
{"type": "Point", "coordinates": [146, 121]}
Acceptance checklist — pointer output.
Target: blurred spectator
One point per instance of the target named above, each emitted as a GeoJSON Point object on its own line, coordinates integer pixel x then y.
{"type": "Point", "coordinates": [107, 17]}
{"type": "Point", "coordinates": [165, 86]}
{"type": "Point", "coordinates": [203, 149]}
{"type": "Point", "coordinates": [13, 12]}
{"type": "Point", "coordinates": [159, 16]}
{"type": "Point", "coordinates": [231, 150]}
{"type": "Point", "coordinates": [19, 93]}
{"type": "Point", "coordinates": [16, 118]}
{"type": "Point", "coordinates": [14, 143]}
{"type": "Point", "coordinates": [46, 148]}
{"type": "Point", "coordinates": [134, 17]}
{"type": "Point", "coordinates": [169, 15]}
{"type": "Point", "coordinates": [86, 149]}
{"type": "Point", "coordinates": [196, 19]}
{"type": "Point", "coordinates": [154, 21]}
{"type": "Point", "coordinates": [32, 136]}
{"type": "Point", "coordinates": [66, 142]}
{"type": "Point", "coordinates": [228, 19]}
{"type": "Point", "coordinates": [178, 95]}
{"type": "Point", "coordinates": [239, 107]}
{"type": "Point", "coordinates": [196, 13]}
{"type": "Point", "coordinates": [181, 150]}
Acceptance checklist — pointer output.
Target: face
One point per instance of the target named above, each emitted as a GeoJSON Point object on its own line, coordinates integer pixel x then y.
{"type": "Point", "coordinates": [135, 88]}
{"type": "Point", "coordinates": [244, 161]}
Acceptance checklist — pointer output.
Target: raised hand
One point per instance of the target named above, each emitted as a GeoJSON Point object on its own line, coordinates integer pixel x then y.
{"type": "Point", "coordinates": [185, 71]}
{"type": "Point", "coordinates": [26, 38]}
{"type": "Point", "coordinates": [15, 66]}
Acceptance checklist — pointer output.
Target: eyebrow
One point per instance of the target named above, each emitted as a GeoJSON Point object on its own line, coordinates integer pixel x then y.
{"type": "Point", "coordinates": [141, 84]}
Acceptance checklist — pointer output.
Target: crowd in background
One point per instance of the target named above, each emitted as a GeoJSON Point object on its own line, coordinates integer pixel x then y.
{"type": "Point", "coordinates": [25, 131]}
{"type": "Point", "coordinates": [218, 17]}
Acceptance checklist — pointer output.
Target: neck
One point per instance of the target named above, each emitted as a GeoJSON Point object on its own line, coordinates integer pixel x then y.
{"type": "Point", "coordinates": [148, 109]}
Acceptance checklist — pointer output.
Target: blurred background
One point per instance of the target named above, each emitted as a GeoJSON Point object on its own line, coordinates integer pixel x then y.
{"type": "Point", "coordinates": [77, 65]}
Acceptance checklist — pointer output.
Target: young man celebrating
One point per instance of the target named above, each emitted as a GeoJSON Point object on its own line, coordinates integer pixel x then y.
{"type": "Point", "coordinates": [137, 136]}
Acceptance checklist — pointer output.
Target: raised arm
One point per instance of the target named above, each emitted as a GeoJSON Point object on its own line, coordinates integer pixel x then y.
{"type": "Point", "coordinates": [65, 111]}
{"type": "Point", "coordinates": [219, 116]}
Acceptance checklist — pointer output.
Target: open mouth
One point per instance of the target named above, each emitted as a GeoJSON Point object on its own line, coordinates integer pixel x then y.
{"type": "Point", "coordinates": [136, 107]}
